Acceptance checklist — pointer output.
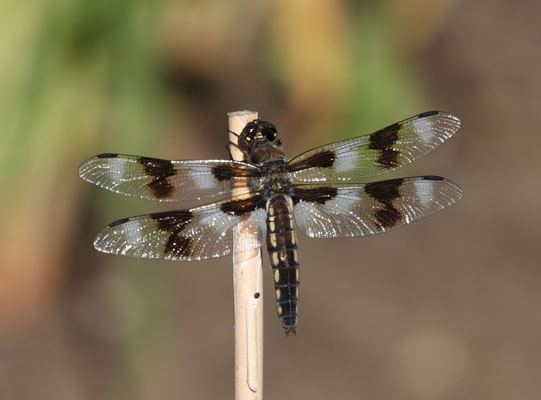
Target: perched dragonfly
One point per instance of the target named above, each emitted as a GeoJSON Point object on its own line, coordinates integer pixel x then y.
{"type": "Point", "coordinates": [314, 192]}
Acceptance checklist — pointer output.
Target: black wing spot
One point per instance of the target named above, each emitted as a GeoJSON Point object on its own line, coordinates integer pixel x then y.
{"type": "Point", "coordinates": [256, 295]}
{"type": "Point", "coordinates": [385, 193]}
{"type": "Point", "coordinates": [160, 170]}
{"type": "Point", "coordinates": [226, 172]}
{"type": "Point", "coordinates": [428, 114]}
{"type": "Point", "coordinates": [319, 195]}
{"type": "Point", "coordinates": [323, 159]}
{"type": "Point", "coordinates": [383, 141]}
{"type": "Point", "coordinates": [161, 188]}
{"type": "Point", "coordinates": [107, 155]}
{"type": "Point", "coordinates": [178, 246]}
{"type": "Point", "coordinates": [119, 222]}
{"type": "Point", "coordinates": [244, 206]}
{"type": "Point", "coordinates": [172, 221]}
{"type": "Point", "coordinates": [175, 222]}
{"type": "Point", "coordinates": [388, 217]}
{"type": "Point", "coordinates": [222, 172]}
{"type": "Point", "coordinates": [433, 178]}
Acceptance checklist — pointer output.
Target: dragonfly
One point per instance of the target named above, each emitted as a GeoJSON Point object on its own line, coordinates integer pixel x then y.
{"type": "Point", "coordinates": [317, 193]}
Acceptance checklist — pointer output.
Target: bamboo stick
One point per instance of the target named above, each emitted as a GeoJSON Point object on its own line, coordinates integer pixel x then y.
{"type": "Point", "coordinates": [248, 289]}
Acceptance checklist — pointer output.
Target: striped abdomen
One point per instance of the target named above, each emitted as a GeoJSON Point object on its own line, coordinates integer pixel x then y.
{"type": "Point", "coordinates": [284, 259]}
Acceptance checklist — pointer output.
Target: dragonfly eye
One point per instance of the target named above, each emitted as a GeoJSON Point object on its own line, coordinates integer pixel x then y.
{"type": "Point", "coordinates": [270, 131]}
{"type": "Point", "coordinates": [272, 135]}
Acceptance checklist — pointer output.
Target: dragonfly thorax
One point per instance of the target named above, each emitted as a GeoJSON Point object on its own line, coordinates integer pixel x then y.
{"type": "Point", "coordinates": [276, 180]}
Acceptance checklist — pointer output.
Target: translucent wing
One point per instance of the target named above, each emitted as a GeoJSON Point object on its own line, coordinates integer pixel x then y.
{"type": "Point", "coordinates": [388, 149]}
{"type": "Point", "coordinates": [164, 180]}
{"type": "Point", "coordinates": [186, 235]}
{"type": "Point", "coordinates": [343, 210]}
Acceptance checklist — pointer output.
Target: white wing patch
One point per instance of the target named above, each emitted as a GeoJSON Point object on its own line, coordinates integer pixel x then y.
{"type": "Point", "coordinates": [133, 231]}
{"type": "Point", "coordinates": [347, 163]}
{"type": "Point", "coordinates": [424, 192]}
{"type": "Point", "coordinates": [117, 168]}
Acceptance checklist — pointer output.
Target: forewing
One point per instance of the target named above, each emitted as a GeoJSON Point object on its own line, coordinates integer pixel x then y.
{"type": "Point", "coordinates": [365, 209]}
{"type": "Point", "coordinates": [165, 180]}
{"type": "Point", "coordinates": [383, 151]}
{"type": "Point", "coordinates": [186, 235]}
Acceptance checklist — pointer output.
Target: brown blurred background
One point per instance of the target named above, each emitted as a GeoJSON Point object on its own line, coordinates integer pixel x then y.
{"type": "Point", "coordinates": [447, 308]}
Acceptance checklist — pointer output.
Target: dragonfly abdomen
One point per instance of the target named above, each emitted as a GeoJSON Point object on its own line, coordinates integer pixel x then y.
{"type": "Point", "coordinates": [284, 259]}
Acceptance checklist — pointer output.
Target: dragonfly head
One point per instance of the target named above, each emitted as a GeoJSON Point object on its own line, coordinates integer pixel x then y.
{"type": "Point", "coordinates": [259, 131]}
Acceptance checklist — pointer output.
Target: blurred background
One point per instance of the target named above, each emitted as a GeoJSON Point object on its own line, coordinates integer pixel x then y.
{"type": "Point", "coordinates": [445, 308]}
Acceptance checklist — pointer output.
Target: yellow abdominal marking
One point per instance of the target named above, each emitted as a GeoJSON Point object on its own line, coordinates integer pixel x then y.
{"type": "Point", "coordinates": [278, 294]}
{"type": "Point", "coordinates": [280, 310]}
{"type": "Point", "coordinates": [274, 259]}
{"type": "Point", "coordinates": [293, 240]}
{"type": "Point", "coordinates": [272, 226]}
{"type": "Point", "coordinates": [297, 274]}
{"type": "Point", "coordinates": [296, 259]}
{"type": "Point", "coordinates": [297, 291]}
{"type": "Point", "coordinates": [276, 276]}
{"type": "Point", "coordinates": [272, 239]}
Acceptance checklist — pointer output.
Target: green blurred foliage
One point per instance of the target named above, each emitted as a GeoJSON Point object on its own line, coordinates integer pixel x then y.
{"type": "Point", "coordinates": [75, 72]}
